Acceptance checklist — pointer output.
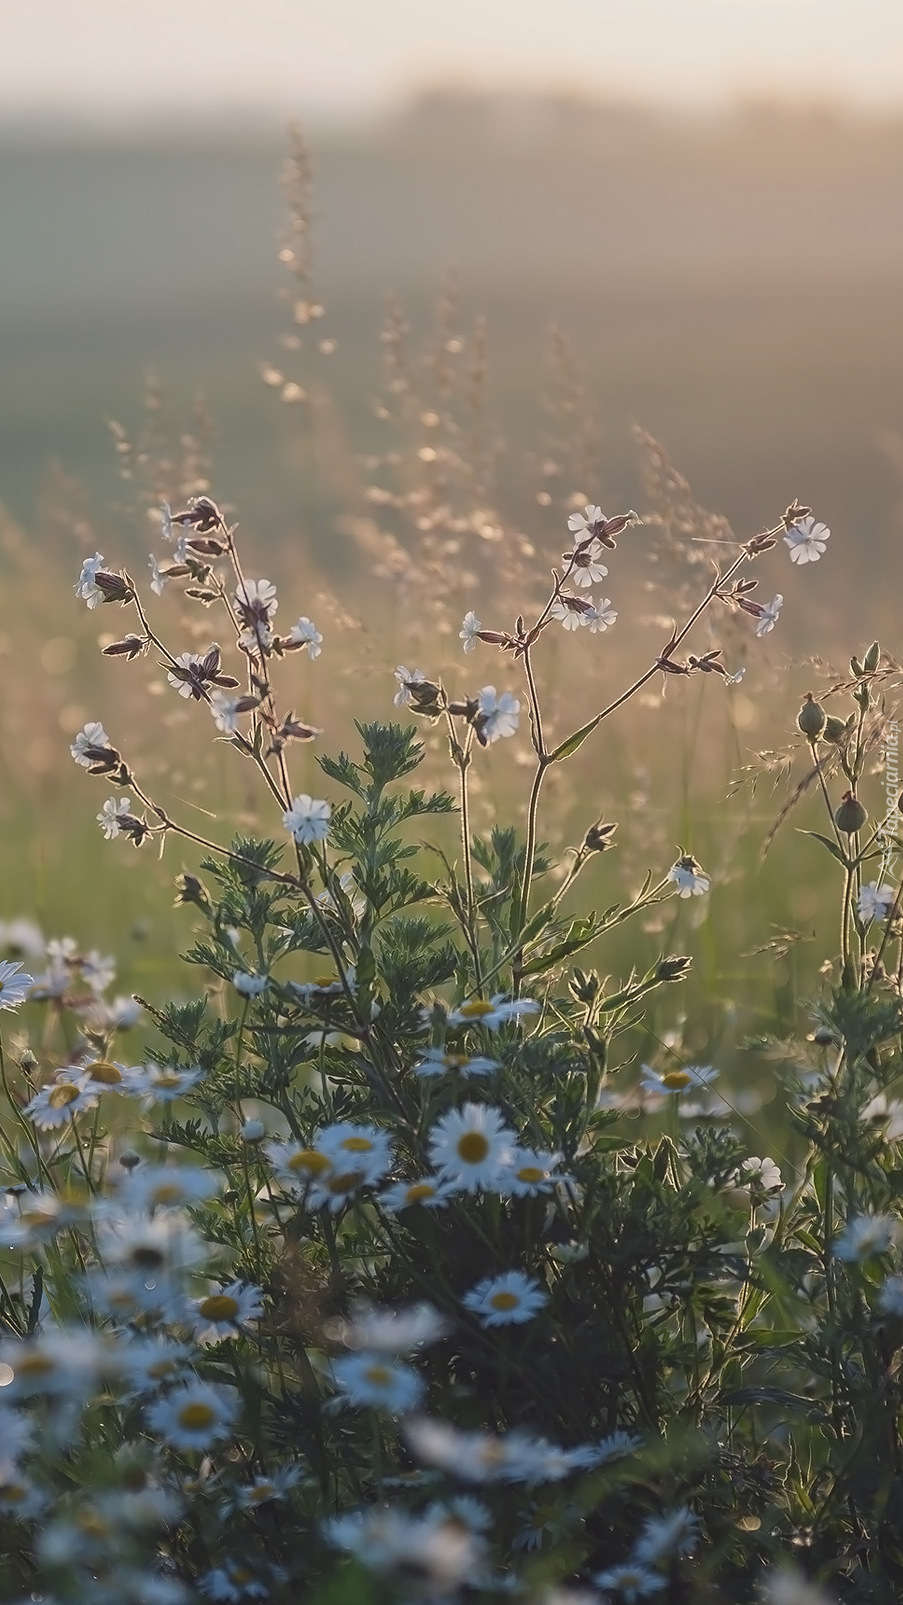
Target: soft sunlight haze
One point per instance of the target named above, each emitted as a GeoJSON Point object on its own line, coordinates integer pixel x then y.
{"type": "Point", "coordinates": [109, 59]}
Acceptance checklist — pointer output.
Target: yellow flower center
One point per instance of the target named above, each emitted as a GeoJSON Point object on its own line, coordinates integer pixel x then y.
{"type": "Point", "coordinates": [196, 1416]}
{"type": "Point", "coordinates": [309, 1160]}
{"type": "Point", "coordinates": [324, 982]}
{"type": "Point", "coordinates": [219, 1307]}
{"type": "Point", "coordinates": [108, 1074]}
{"type": "Point", "coordinates": [62, 1095]}
{"type": "Point", "coordinates": [676, 1080]}
{"type": "Point", "coordinates": [35, 1365]}
{"type": "Point", "coordinates": [379, 1375]}
{"type": "Point", "coordinates": [530, 1173]}
{"type": "Point", "coordinates": [345, 1183]}
{"type": "Point", "coordinates": [419, 1191]}
{"type": "Point", "coordinates": [504, 1301]}
{"type": "Point", "coordinates": [13, 1493]}
{"type": "Point", "coordinates": [472, 1147]}
{"type": "Point", "coordinates": [476, 1009]}
{"type": "Point", "coordinates": [357, 1145]}
{"type": "Point", "coordinates": [166, 1192]}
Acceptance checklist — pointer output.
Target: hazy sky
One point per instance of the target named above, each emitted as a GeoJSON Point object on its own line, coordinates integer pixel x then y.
{"type": "Point", "coordinates": [106, 57]}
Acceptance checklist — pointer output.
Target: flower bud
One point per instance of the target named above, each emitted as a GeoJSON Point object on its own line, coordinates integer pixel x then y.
{"type": "Point", "coordinates": [811, 718]}
{"type": "Point", "coordinates": [850, 816]}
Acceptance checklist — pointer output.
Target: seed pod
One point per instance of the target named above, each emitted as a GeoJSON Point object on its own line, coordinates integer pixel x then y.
{"type": "Point", "coordinates": [850, 816]}
{"type": "Point", "coordinates": [834, 731]}
{"type": "Point", "coordinates": [811, 717]}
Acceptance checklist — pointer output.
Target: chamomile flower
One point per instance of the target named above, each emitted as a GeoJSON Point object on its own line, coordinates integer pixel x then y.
{"type": "Point", "coordinates": [631, 1581]}
{"type": "Point", "coordinates": [505, 1300]}
{"type": "Point", "coordinates": [151, 1187]}
{"type": "Point", "coordinates": [427, 1193]}
{"type": "Point", "coordinates": [676, 1532]}
{"type": "Point", "coordinates": [365, 1148]}
{"type": "Point", "coordinates": [150, 1363]}
{"type": "Point", "coordinates": [806, 541]}
{"type": "Point", "coordinates": [491, 1013]}
{"type": "Point", "coordinates": [223, 1313]}
{"type": "Point", "coordinates": [865, 1236]}
{"type": "Point", "coordinates": [436, 1062]}
{"type": "Point", "coordinates": [688, 877]}
{"type": "Point", "coordinates": [296, 1166]}
{"type": "Point", "coordinates": [14, 984]}
{"type": "Point", "coordinates": [307, 819]}
{"type": "Point", "coordinates": [440, 1553]}
{"type": "Point", "coordinates": [151, 1246]}
{"type": "Point", "coordinates": [394, 1331]}
{"type": "Point", "coordinates": [875, 902]}
{"type": "Point", "coordinates": [250, 985]}
{"type": "Point", "coordinates": [265, 1489]}
{"type": "Point", "coordinates": [55, 1105]}
{"type": "Point", "coordinates": [531, 1173]}
{"type": "Point", "coordinates": [163, 1083]}
{"type": "Point", "coordinates": [471, 1147]}
{"type": "Point", "coordinates": [194, 1415]}
{"type": "Point", "coordinates": [684, 1079]}
{"type": "Point", "coordinates": [374, 1380]}
{"type": "Point", "coordinates": [470, 631]}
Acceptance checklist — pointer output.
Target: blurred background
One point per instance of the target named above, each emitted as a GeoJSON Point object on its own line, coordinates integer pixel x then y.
{"type": "Point", "coordinates": [591, 216]}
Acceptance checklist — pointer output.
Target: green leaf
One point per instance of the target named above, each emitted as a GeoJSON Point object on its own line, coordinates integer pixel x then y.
{"type": "Point", "coordinates": [573, 742]}
{"type": "Point", "coordinates": [832, 847]}
{"type": "Point", "coordinates": [581, 932]}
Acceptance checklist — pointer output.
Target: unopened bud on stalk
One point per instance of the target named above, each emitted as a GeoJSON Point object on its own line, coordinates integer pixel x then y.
{"type": "Point", "coordinates": [834, 731]}
{"type": "Point", "coordinates": [190, 889]}
{"type": "Point", "coordinates": [598, 838]}
{"type": "Point", "coordinates": [811, 717]}
{"type": "Point", "coordinates": [671, 969]}
{"type": "Point", "coordinates": [851, 815]}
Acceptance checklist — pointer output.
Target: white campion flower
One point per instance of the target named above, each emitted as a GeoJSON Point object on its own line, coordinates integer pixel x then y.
{"type": "Point", "coordinates": [581, 524]}
{"type": "Point", "coordinates": [602, 617]}
{"type": "Point", "coordinates": [688, 877]}
{"type": "Point", "coordinates": [406, 678]}
{"type": "Point", "coordinates": [86, 590]}
{"type": "Point", "coordinates": [92, 735]}
{"type": "Point", "coordinates": [572, 618]}
{"type": "Point", "coordinates": [875, 902]}
{"type": "Point", "coordinates": [734, 679]}
{"type": "Point", "coordinates": [469, 634]}
{"type": "Point", "coordinates": [257, 597]}
{"type": "Point", "coordinates": [806, 541]}
{"type": "Point", "coordinates": [586, 568]}
{"type": "Point", "coordinates": [111, 814]}
{"type": "Point", "coordinates": [224, 711]}
{"type": "Point", "coordinates": [307, 819]}
{"type": "Point", "coordinates": [306, 635]}
{"type": "Point", "coordinates": [509, 1299]}
{"type": "Point", "coordinates": [158, 576]}
{"type": "Point", "coordinates": [497, 715]}
{"type": "Point", "coordinates": [14, 984]}
{"type": "Point", "coordinates": [768, 618]}
{"type": "Point", "coordinates": [865, 1236]}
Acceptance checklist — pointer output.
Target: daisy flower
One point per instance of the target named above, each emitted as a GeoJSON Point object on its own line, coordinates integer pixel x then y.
{"type": "Point", "coordinates": [295, 1166]}
{"type": "Point", "coordinates": [250, 985]}
{"type": "Point", "coordinates": [866, 1235]}
{"type": "Point", "coordinates": [366, 1148]}
{"type": "Point", "coordinates": [681, 1080]}
{"type": "Point", "coordinates": [428, 1193]}
{"type": "Point", "coordinates": [149, 1363]}
{"type": "Point", "coordinates": [163, 1083]}
{"type": "Point", "coordinates": [306, 636]}
{"type": "Point", "coordinates": [263, 1489]}
{"type": "Point", "coordinates": [14, 984]}
{"type": "Point", "coordinates": [373, 1380]}
{"type": "Point", "coordinates": [221, 1314]}
{"type": "Point", "coordinates": [874, 902]}
{"type": "Point", "coordinates": [307, 819]}
{"type": "Point", "coordinates": [151, 1187]}
{"type": "Point", "coordinates": [60, 1102]}
{"type": "Point", "coordinates": [151, 1246]}
{"type": "Point", "coordinates": [395, 1331]}
{"type": "Point", "coordinates": [469, 634]}
{"type": "Point", "coordinates": [497, 716]}
{"type": "Point", "coordinates": [676, 1532]}
{"type": "Point", "coordinates": [193, 1416]}
{"type": "Point", "coordinates": [492, 1013]}
{"type": "Point", "coordinates": [631, 1581]}
{"type": "Point", "coordinates": [688, 876]}
{"type": "Point", "coordinates": [531, 1173]}
{"type": "Point", "coordinates": [436, 1062]}
{"type": "Point", "coordinates": [471, 1147]}
{"type": "Point", "coordinates": [509, 1299]}
{"type": "Point", "coordinates": [806, 541]}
